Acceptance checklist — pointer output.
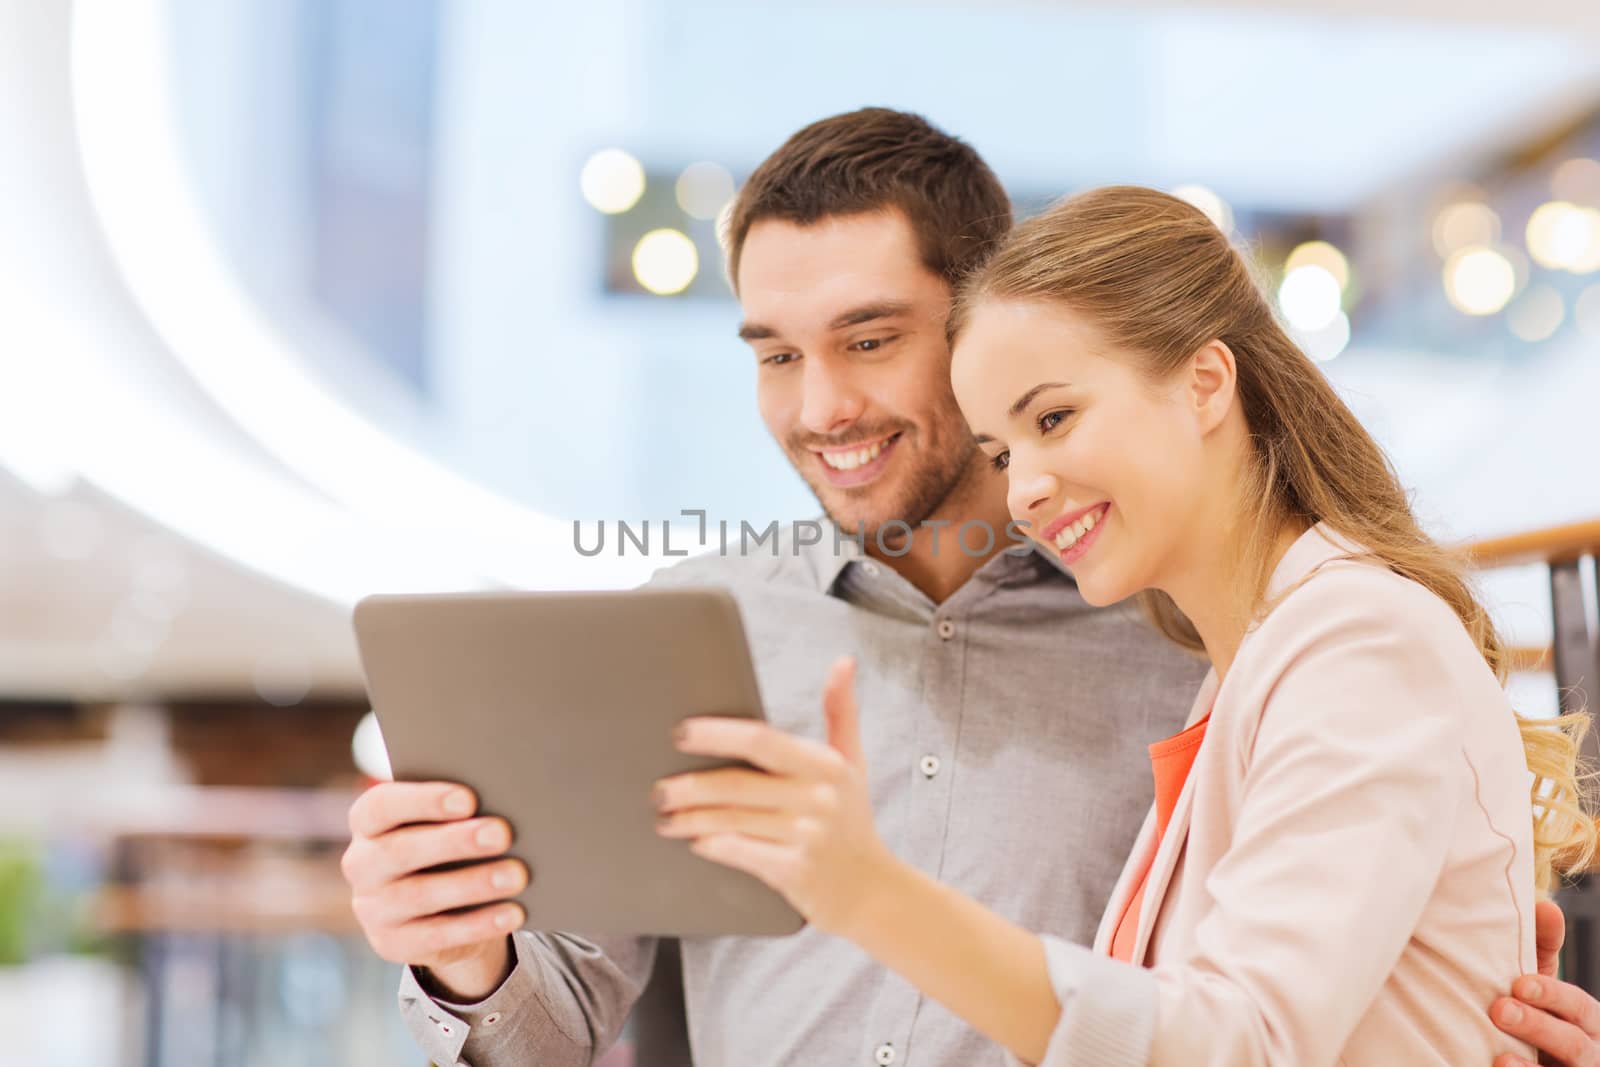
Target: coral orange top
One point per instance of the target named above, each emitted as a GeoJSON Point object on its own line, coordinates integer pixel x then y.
{"type": "Point", "coordinates": [1170, 761]}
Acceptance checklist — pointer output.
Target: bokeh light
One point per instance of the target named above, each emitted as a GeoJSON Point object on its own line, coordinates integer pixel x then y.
{"type": "Point", "coordinates": [1320, 254]}
{"type": "Point", "coordinates": [1537, 314]}
{"type": "Point", "coordinates": [1326, 343]}
{"type": "Point", "coordinates": [612, 181]}
{"type": "Point", "coordinates": [1563, 236]}
{"type": "Point", "coordinates": [1463, 224]}
{"type": "Point", "coordinates": [1479, 280]}
{"type": "Point", "coordinates": [1210, 204]}
{"type": "Point", "coordinates": [665, 262]}
{"type": "Point", "coordinates": [703, 189]}
{"type": "Point", "coordinates": [1309, 298]}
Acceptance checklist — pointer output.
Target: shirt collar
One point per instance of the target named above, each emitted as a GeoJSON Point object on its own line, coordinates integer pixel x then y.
{"type": "Point", "coordinates": [838, 551]}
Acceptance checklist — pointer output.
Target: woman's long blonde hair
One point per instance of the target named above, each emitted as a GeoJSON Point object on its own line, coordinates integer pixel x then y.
{"type": "Point", "coordinates": [1158, 278]}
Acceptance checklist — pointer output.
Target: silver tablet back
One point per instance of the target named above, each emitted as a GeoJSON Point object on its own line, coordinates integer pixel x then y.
{"type": "Point", "coordinates": [558, 708]}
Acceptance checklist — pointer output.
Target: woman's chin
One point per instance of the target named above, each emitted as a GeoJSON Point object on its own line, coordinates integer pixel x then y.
{"type": "Point", "coordinates": [1099, 589]}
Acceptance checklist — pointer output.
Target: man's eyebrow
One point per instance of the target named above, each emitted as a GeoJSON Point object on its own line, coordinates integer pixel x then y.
{"type": "Point", "coordinates": [881, 309]}
{"type": "Point", "coordinates": [1027, 398]}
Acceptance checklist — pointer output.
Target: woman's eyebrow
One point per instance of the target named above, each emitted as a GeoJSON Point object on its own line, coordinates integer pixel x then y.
{"type": "Point", "coordinates": [1025, 399]}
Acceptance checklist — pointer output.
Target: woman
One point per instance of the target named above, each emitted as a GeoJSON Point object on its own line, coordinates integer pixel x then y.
{"type": "Point", "coordinates": [1344, 853]}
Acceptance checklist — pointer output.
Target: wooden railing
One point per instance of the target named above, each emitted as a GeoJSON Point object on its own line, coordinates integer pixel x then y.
{"type": "Point", "coordinates": [1560, 548]}
{"type": "Point", "coordinates": [1574, 658]}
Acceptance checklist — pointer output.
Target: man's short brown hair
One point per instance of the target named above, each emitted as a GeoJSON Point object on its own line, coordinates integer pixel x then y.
{"type": "Point", "coordinates": [872, 160]}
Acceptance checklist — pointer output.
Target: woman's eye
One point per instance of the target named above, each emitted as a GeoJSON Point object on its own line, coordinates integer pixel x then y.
{"type": "Point", "coordinates": [1051, 419]}
{"type": "Point", "coordinates": [1000, 460]}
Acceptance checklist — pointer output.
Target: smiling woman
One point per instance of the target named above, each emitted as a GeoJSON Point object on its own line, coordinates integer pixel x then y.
{"type": "Point", "coordinates": [1200, 460]}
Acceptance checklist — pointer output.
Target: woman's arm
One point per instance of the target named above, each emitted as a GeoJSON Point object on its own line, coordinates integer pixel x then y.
{"type": "Point", "coordinates": [984, 968]}
{"type": "Point", "coordinates": [805, 827]}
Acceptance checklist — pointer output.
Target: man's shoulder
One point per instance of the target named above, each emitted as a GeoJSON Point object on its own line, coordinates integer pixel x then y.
{"type": "Point", "coordinates": [794, 555]}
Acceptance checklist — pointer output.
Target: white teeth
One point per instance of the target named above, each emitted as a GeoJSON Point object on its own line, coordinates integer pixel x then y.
{"type": "Point", "coordinates": [1072, 534]}
{"type": "Point", "coordinates": [845, 461]}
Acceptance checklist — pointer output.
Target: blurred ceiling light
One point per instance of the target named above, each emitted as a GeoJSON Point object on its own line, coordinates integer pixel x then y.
{"type": "Point", "coordinates": [369, 751]}
{"type": "Point", "coordinates": [665, 262]}
{"type": "Point", "coordinates": [1320, 254]}
{"type": "Point", "coordinates": [1479, 280]}
{"type": "Point", "coordinates": [1309, 298]}
{"type": "Point", "coordinates": [1210, 204]}
{"type": "Point", "coordinates": [364, 511]}
{"type": "Point", "coordinates": [35, 441]}
{"type": "Point", "coordinates": [612, 181]}
{"type": "Point", "coordinates": [1462, 224]}
{"type": "Point", "coordinates": [1326, 343]}
{"type": "Point", "coordinates": [1563, 236]}
{"type": "Point", "coordinates": [1586, 312]}
{"type": "Point", "coordinates": [1588, 261]}
{"type": "Point", "coordinates": [1537, 314]}
{"type": "Point", "coordinates": [703, 189]}
{"type": "Point", "coordinates": [1577, 180]}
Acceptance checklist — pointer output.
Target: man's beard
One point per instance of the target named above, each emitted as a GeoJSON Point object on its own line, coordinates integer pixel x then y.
{"type": "Point", "coordinates": [944, 471]}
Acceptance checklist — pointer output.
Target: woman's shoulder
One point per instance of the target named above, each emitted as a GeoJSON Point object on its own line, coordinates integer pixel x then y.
{"type": "Point", "coordinates": [1351, 611]}
{"type": "Point", "coordinates": [1355, 592]}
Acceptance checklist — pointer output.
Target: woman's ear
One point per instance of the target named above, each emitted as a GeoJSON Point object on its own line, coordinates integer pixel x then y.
{"type": "Point", "coordinates": [1213, 380]}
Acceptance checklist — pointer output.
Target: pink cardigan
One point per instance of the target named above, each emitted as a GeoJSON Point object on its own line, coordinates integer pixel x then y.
{"type": "Point", "coordinates": [1348, 877]}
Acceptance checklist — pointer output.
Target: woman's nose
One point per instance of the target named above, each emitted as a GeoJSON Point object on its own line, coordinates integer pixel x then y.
{"type": "Point", "coordinates": [1030, 492]}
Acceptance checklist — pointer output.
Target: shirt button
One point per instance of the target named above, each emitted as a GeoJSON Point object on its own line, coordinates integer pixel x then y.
{"type": "Point", "coordinates": [946, 630]}
{"type": "Point", "coordinates": [492, 1018]}
{"type": "Point", "coordinates": [444, 1028]}
{"type": "Point", "coordinates": [929, 765]}
{"type": "Point", "coordinates": [884, 1055]}
{"type": "Point", "coordinates": [870, 568]}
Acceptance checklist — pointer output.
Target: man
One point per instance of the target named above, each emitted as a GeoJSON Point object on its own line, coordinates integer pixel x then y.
{"type": "Point", "coordinates": [1020, 786]}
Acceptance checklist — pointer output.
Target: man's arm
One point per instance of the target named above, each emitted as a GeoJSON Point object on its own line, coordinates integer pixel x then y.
{"type": "Point", "coordinates": [1555, 1017]}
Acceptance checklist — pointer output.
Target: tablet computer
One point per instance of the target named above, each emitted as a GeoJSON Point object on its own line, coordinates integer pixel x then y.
{"type": "Point", "coordinates": [558, 709]}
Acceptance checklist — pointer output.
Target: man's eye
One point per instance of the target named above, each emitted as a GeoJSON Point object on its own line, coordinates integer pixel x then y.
{"type": "Point", "coordinates": [871, 344]}
{"type": "Point", "coordinates": [1000, 460]}
{"type": "Point", "coordinates": [778, 359]}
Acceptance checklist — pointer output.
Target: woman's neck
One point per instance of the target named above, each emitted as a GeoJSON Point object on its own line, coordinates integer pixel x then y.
{"type": "Point", "coordinates": [1217, 589]}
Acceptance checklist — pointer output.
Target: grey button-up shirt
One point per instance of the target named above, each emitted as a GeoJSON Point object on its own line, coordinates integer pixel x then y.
{"type": "Point", "coordinates": [1005, 733]}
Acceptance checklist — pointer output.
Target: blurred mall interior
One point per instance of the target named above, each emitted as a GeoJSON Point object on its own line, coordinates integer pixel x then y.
{"type": "Point", "coordinates": [302, 300]}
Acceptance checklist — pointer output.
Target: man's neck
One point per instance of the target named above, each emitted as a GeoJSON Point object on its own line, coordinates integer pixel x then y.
{"type": "Point", "coordinates": [938, 559]}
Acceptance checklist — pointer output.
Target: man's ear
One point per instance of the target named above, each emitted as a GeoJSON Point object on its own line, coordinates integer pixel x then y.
{"type": "Point", "coordinates": [1213, 381]}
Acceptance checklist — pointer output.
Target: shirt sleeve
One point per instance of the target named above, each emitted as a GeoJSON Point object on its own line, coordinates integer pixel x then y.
{"type": "Point", "coordinates": [1349, 796]}
{"type": "Point", "coordinates": [562, 1005]}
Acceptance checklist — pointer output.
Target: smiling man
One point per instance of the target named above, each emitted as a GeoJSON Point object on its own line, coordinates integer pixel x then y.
{"type": "Point", "coordinates": [1020, 786]}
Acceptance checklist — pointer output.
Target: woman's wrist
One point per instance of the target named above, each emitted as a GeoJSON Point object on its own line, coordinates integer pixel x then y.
{"type": "Point", "coordinates": [884, 892]}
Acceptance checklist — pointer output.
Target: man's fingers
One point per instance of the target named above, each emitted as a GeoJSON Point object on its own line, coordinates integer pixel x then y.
{"type": "Point", "coordinates": [424, 895]}
{"type": "Point", "coordinates": [1561, 999]}
{"type": "Point", "coordinates": [1549, 932]}
{"type": "Point", "coordinates": [429, 938]}
{"type": "Point", "coordinates": [393, 804]}
{"type": "Point", "coordinates": [370, 863]}
{"type": "Point", "coordinates": [1554, 1037]}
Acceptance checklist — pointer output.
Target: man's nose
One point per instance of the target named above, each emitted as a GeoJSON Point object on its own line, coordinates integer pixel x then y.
{"type": "Point", "coordinates": [830, 402]}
